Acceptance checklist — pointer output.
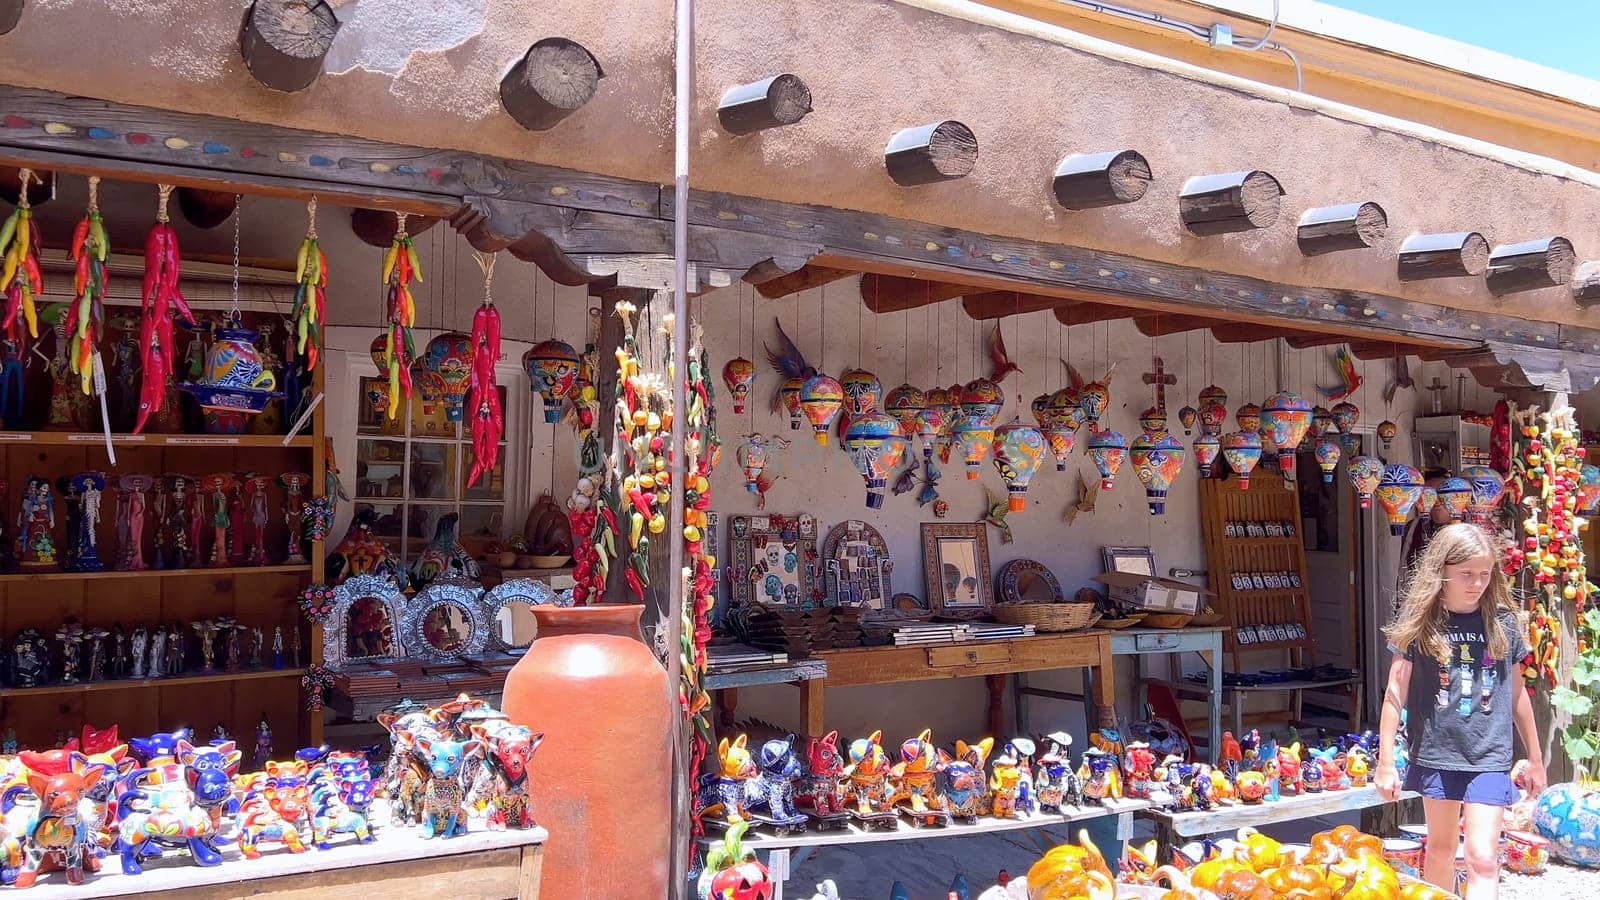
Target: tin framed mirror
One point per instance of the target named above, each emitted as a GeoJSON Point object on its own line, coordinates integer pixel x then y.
{"type": "Point", "coordinates": [445, 621]}
{"type": "Point", "coordinates": [508, 609]}
{"type": "Point", "coordinates": [364, 623]}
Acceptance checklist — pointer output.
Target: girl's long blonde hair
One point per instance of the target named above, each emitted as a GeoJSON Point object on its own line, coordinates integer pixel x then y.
{"type": "Point", "coordinates": [1421, 619]}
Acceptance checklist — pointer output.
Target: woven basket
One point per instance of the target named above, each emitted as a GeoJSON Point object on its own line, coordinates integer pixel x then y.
{"type": "Point", "coordinates": [1167, 620]}
{"type": "Point", "coordinates": [1206, 620]}
{"type": "Point", "coordinates": [1047, 616]}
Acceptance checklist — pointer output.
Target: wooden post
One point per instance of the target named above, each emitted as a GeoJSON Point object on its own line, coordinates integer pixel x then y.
{"type": "Point", "coordinates": [10, 14]}
{"type": "Point", "coordinates": [206, 209]}
{"type": "Point", "coordinates": [768, 103]}
{"type": "Point", "coordinates": [376, 226]}
{"type": "Point", "coordinates": [1092, 180]}
{"type": "Point", "coordinates": [1586, 284]}
{"type": "Point", "coordinates": [1443, 255]}
{"type": "Point", "coordinates": [1530, 265]}
{"type": "Point", "coordinates": [1349, 226]}
{"type": "Point", "coordinates": [1231, 202]}
{"type": "Point", "coordinates": [938, 151]}
{"type": "Point", "coordinates": [283, 42]}
{"type": "Point", "coordinates": [550, 82]}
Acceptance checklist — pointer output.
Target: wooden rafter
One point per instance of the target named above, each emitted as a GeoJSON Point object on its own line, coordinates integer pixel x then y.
{"type": "Point", "coordinates": [1081, 313]}
{"type": "Point", "coordinates": [889, 293]}
{"type": "Point", "coordinates": [1158, 324]}
{"type": "Point", "coordinates": [1245, 334]}
{"type": "Point", "coordinates": [803, 279]}
{"type": "Point", "coordinates": [999, 304]}
{"type": "Point", "coordinates": [1308, 341]}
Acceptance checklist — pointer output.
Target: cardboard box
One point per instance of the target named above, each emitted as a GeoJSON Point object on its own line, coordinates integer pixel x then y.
{"type": "Point", "coordinates": [1154, 594]}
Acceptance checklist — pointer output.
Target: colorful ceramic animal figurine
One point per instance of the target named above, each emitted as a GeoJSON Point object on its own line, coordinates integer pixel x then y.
{"type": "Point", "coordinates": [1138, 765]}
{"type": "Point", "coordinates": [961, 780]}
{"type": "Point", "coordinates": [510, 747]}
{"type": "Point", "coordinates": [1355, 765]}
{"type": "Point", "coordinates": [158, 748]}
{"type": "Point", "coordinates": [156, 811]}
{"type": "Point", "coordinates": [62, 838]}
{"type": "Point", "coordinates": [868, 775]}
{"type": "Point", "coordinates": [261, 820]}
{"type": "Point", "coordinates": [1221, 788]}
{"type": "Point", "coordinates": [770, 795]}
{"type": "Point", "coordinates": [19, 813]}
{"type": "Point", "coordinates": [209, 772]}
{"type": "Point", "coordinates": [331, 815]}
{"type": "Point", "coordinates": [1099, 775]}
{"type": "Point", "coordinates": [720, 799]}
{"type": "Point", "coordinates": [1333, 776]}
{"type": "Point", "coordinates": [1289, 774]}
{"type": "Point", "coordinates": [913, 780]}
{"type": "Point", "coordinates": [1005, 784]}
{"type": "Point", "coordinates": [821, 792]}
{"type": "Point", "coordinates": [1252, 786]}
{"type": "Point", "coordinates": [1231, 756]}
{"type": "Point", "coordinates": [442, 814]}
{"type": "Point", "coordinates": [1311, 775]}
{"type": "Point", "coordinates": [1056, 784]}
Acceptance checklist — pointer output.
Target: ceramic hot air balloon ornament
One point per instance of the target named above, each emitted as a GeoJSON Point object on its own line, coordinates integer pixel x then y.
{"type": "Point", "coordinates": [1365, 472]}
{"type": "Point", "coordinates": [1426, 501]}
{"type": "Point", "coordinates": [793, 373]}
{"type": "Point", "coordinates": [1018, 451]}
{"type": "Point", "coordinates": [449, 355]}
{"type": "Point", "coordinates": [1346, 416]}
{"type": "Point", "coordinates": [933, 419]}
{"type": "Point", "coordinates": [1487, 490]}
{"type": "Point", "coordinates": [1589, 490]}
{"type": "Point", "coordinates": [1387, 430]}
{"type": "Point", "coordinates": [862, 392]}
{"type": "Point", "coordinates": [906, 403]}
{"type": "Point", "coordinates": [1286, 417]}
{"type": "Point", "coordinates": [1153, 420]}
{"type": "Point", "coordinates": [1207, 447]}
{"type": "Point", "coordinates": [1037, 407]}
{"type": "Point", "coordinates": [1107, 449]}
{"type": "Point", "coordinates": [1094, 397]}
{"type": "Point", "coordinates": [1212, 394]}
{"type": "Point", "coordinates": [952, 423]}
{"type": "Point", "coordinates": [821, 400]}
{"type": "Point", "coordinates": [1212, 417]}
{"type": "Point", "coordinates": [1456, 495]}
{"type": "Point", "coordinates": [552, 368]}
{"type": "Point", "coordinates": [430, 387]}
{"type": "Point", "coordinates": [755, 455]}
{"type": "Point", "coordinates": [875, 446]}
{"type": "Point", "coordinates": [1063, 416]}
{"type": "Point", "coordinates": [1157, 459]}
{"type": "Point", "coordinates": [1397, 492]}
{"type": "Point", "coordinates": [1249, 418]}
{"type": "Point", "coordinates": [739, 374]}
{"type": "Point", "coordinates": [1328, 452]}
{"type": "Point", "coordinates": [1187, 416]}
{"type": "Point", "coordinates": [1321, 420]}
{"type": "Point", "coordinates": [981, 401]}
{"type": "Point", "coordinates": [1242, 450]}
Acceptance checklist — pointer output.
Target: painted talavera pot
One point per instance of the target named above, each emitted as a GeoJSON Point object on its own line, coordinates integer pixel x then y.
{"type": "Point", "coordinates": [589, 683]}
{"type": "Point", "coordinates": [1569, 815]}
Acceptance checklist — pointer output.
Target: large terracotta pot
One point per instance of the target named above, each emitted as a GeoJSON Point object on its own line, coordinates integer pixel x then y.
{"type": "Point", "coordinates": [603, 787]}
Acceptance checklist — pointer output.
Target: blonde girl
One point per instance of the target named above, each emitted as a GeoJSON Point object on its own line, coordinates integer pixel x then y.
{"type": "Point", "coordinates": [1458, 646]}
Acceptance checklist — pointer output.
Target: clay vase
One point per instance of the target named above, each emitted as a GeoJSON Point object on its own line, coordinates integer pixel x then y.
{"type": "Point", "coordinates": [604, 790]}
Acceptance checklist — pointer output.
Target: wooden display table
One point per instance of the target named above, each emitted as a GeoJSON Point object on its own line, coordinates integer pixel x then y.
{"type": "Point", "coordinates": [1236, 695]}
{"type": "Point", "coordinates": [1175, 829]}
{"type": "Point", "coordinates": [484, 865]}
{"type": "Point", "coordinates": [991, 659]}
{"type": "Point", "coordinates": [778, 848]}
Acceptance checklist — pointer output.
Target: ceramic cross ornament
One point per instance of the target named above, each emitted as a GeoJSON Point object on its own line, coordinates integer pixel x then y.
{"type": "Point", "coordinates": [1160, 379]}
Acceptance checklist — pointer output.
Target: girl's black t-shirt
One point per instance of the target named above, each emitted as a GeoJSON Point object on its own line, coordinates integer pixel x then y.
{"type": "Point", "coordinates": [1460, 714]}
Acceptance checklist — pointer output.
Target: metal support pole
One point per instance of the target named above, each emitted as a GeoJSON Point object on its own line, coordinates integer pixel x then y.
{"type": "Point", "coordinates": [683, 96]}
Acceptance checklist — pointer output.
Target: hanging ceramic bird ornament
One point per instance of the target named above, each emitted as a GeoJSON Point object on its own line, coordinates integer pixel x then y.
{"type": "Point", "coordinates": [1344, 366]}
{"type": "Point", "coordinates": [999, 360]}
{"type": "Point", "coordinates": [793, 372]}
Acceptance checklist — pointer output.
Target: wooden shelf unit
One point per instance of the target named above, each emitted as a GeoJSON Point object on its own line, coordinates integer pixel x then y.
{"type": "Point", "coordinates": [1269, 499]}
{"type": "Point", "coordinates": [256, 596]}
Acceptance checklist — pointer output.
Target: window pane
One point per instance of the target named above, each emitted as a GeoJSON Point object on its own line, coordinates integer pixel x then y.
{"type": "Point", "coordinates": [433, 471]}
{"type": "Point", "coordinates": [425, 518]}
{"type": "Point", "coordinates": [380, 469]}
{"type": "Point", "coordinates": [492, 484]}
{"type": "Point", "coordinates": [387, 523]}
{"type": "Point", "coordinates": [480, 523]}
{"type": "Point", "coordinates": [373, 405]}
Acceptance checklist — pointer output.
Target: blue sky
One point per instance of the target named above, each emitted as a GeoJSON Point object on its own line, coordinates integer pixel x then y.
{"type": "Point", "coordinates": [1561, 34]}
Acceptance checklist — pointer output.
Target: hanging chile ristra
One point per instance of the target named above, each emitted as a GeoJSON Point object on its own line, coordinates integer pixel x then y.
{"type": "Point", "coordinates": [593, 535]}
{"type": "Point", "coordinates": [310, 293]}
{"type": "Point", "coordinates": [702, 450]}
{"type": "Point", "coordinates": [86, 316]}
{"type": "Point", "coordinates": [20, 277]}
{"type": "Point", "coordinates": [161, 299]}
{"type": "Point", "coordinates": [400, 268]}
{"type": "Point", "coordinates": [483, 395]}
{"type": "Point", "coordinates": [643, 421]}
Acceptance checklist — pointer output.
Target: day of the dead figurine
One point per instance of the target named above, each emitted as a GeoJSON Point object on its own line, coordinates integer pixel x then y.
{"type": "Point", "coordinates": [132, 504]}
{"type": "Point", "coordinates": [90, 488]}
{"type": "Point", "coordinates": [36, 548]}
{"type": "Point", "coordinates": [294, 485]}
{"type": "Point", "coordinates": [255, 498]}
{"type": "Point", "coordinates": [216, 489]}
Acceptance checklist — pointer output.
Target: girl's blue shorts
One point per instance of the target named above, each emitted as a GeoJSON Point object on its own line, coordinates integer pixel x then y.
{"type": "Point", "coordinates": [1488, 788]}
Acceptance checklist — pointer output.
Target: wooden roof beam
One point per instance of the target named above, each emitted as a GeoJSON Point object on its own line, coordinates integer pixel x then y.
{"type": "Point", "coordinates": [377, 226]}
{"type": "Point", "coordinates": [1161, 324]}
{"type": "Point", "coordinates": [1235, 201]}
{"type": "Point", "coordinates": [1449, 255]}
{"type": "Point", "coordinates": [1349, 226]}
{"type": "Point", "coordinates": [1308, 341]}
{"type": "Point", "coordinates": [937, 151]}
{"type": "Point", "coordinates": [1586, 284]}
{"type": "Point", "coordinates": [1530, 265]}
{"type": "Point", "coordinates": [1082, 313]}
{"type": "Point", "coordinates": [550, 82]}
{"type": "Point", "coordinates": [999, 304]}
{"type": "Point", "coordinates": [1093, 180]}
{"type": "Point", "coordinates": [803, 279]}
{"type": "Point", "coordinates": [891, 293]}
{"type": "Point", "coordinates": [1239, 333]}
{"type": "Point", "coordinates": [769, 103]}
{"type": "Point", "coordinates": [283, 42]}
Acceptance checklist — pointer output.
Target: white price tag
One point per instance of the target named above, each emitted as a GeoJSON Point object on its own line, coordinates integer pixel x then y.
{"type": "Point", "coordinates": [1124, 826]}
{"type": "Point", "coordinates": [778, 864]}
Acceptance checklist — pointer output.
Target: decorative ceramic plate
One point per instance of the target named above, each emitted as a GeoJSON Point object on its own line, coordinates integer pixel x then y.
{"type": "Point", "coordinates": [1017, 579]}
